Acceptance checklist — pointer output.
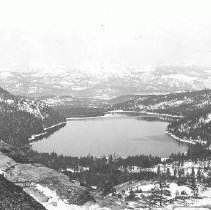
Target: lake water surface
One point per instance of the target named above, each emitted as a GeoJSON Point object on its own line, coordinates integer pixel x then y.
{"type": "Point", "coordinates": [120, 134]}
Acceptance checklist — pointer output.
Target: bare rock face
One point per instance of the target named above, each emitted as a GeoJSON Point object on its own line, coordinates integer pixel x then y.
{"type": "Point", "coordinates": [6, 163]}
{"type": "Point", "coordinates": [29, 175]}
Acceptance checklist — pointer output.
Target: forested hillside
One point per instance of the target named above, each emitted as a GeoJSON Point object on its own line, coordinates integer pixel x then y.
{"type": "Point", "coordinates": [21, 117]}
{"type": "Point", "coordinates": [174, 104]}
{"type": "Point", "coordinates": [195, 127]}
{"type": "Point", "coordinates": [76, 107]}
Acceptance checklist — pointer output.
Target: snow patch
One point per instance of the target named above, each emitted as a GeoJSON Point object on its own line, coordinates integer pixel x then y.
{"type": "Point", "coordinates": [208, 119]}
{"type": "Point", "coordinates": [55, 203]}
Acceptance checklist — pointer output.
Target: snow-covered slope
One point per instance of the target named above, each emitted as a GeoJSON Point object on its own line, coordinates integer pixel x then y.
{"type": "Point", "coordinates": [176, 194]}
{"type": "Point", "coordinates": [104, 82]}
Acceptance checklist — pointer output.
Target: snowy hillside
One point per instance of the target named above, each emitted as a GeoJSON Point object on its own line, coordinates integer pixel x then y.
{"type": "Point", "coordinates": [182, 186]}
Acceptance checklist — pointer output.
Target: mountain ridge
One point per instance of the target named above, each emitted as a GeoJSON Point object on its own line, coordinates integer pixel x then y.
{"type": "Point", "coordinates": [105, 82]}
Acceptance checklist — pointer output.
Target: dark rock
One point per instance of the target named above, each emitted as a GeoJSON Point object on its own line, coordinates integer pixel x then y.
{"type": "Point", "coordinates": [13, 197]}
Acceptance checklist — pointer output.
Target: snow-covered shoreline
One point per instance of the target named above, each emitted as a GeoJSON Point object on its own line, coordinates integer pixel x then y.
{"type": "Point", "coordinates": [108, 114]}
{"type": "Point", "coordinates": [34, 136]}
{"type": "Point", "coordinates": [147, 113]}
{"type": "Point", "coordinates": [83, 118]}
{"type": "Point", "coordinates": [162, 115]}
{"type": "Point", "coordinates": [58, 124]}
{"type": "Point", "coordinates": [179, 139]}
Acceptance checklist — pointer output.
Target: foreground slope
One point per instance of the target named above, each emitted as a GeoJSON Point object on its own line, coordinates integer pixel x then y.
{"type": "Point", "coordinates": [37, 180]}
{"type": "Point", "coordinates": [13, 197]}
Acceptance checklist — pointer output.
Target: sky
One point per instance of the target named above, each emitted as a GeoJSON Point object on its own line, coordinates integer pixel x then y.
{"type": "Point", "coordinates": [105, 32]}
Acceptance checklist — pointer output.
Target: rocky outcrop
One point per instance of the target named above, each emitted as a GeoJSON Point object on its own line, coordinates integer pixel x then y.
{"type": "Point", "coordinates": [13, 197]}
{"type": "Point", "coordinates": [30, 175]}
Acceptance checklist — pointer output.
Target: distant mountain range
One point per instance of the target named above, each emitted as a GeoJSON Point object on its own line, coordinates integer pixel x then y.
{"type": "Point", "coordinates": [107, 83]}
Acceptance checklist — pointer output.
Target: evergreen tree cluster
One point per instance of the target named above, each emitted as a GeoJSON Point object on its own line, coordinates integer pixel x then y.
{"type": "Point", "coordinates": [195, 127]}
{"type": "Point", "coordinates": [101, 170]}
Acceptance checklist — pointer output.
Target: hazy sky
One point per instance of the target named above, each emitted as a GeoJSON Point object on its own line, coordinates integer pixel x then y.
{"type": "Point", "coordinates": [107, 32]}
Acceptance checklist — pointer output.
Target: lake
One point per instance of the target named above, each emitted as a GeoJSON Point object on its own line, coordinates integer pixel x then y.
{"type": "Point", "coordinates": [120, 134]}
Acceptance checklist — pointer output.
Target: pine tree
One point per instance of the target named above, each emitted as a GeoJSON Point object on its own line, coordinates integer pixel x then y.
{"type": "Point", "coordinates": [131, 195]}
{"type": "Point", "coordinates": [193, 183]}
{"type": "Point", "coordinates": [168, 174]}
{"type": "Point", "coordinates": [158, 171]}
{"type": "Point", "coordinates": [149, 201]}
{"type": "Point", "coordinates": [193, 180]}
{"type": "Point", "coordinates": [199, 176]}
{"type": "Point", "coordinates": [175, 173]}
{"type": "Point", "coordinates": [108, 188]}
{"type": "Point", "coordinates": [179, 174]}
